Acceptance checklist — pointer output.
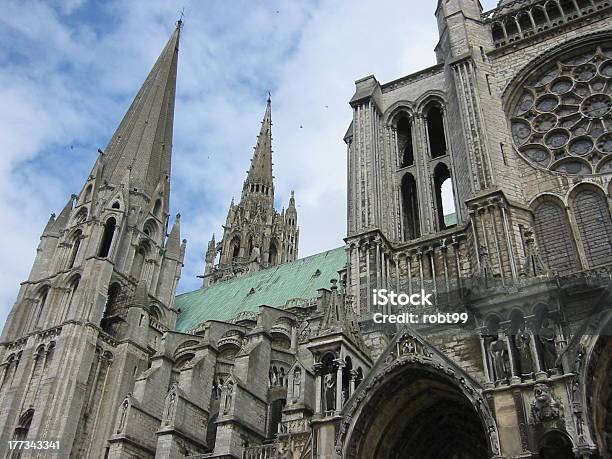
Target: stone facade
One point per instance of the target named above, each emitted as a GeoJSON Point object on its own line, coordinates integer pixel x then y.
{"type": "Point", "coordinates": [514, 119]}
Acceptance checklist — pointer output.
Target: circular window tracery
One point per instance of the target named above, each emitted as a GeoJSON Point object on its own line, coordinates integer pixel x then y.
{"type": "Point", "coordinates": [562, 117]}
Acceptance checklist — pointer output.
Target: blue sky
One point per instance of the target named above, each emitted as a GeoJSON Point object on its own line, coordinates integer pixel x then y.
{"type": "Point", "coordinates": [69, 69]}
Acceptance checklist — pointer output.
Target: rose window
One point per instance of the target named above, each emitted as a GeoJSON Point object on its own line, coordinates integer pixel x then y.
{"type": "Point", "coordinates": [562, 117]}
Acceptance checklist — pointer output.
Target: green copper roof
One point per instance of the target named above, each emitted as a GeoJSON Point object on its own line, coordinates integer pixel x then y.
{"type": "Point", "coordinates": [450, 219]}
{"type": "Point", "coordinates": [298, 279]}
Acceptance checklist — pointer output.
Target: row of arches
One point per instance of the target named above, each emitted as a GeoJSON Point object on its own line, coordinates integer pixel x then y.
{"type": "Point", "coordinates": [36, 313]}
{"type": "Point", "coordinates": [249, 249]}
{"type": "Point", "coordinates": [574, 237]}
{"type": "Point", "coordinates": [539, 18]}
{"type": "Point", "coordinates": [436, 137]}
{"type": "Point", "coordinates": [444, 202]}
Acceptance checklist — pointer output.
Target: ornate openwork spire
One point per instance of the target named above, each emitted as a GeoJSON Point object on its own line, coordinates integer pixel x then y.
{"type": "Point", "coordinates": [261, 164]}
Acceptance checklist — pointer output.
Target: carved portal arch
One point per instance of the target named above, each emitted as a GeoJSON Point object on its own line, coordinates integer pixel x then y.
{"type": "Point", "coordinates": [594, 390]}
{"type": "Point", "coordinates": [415, 392]}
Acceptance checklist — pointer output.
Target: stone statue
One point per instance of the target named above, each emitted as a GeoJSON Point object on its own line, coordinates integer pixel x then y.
{"type": "Point", "coordinates": [543, 406]}
{"type": "Point", "coordinates": [297, 381]}
{"type": "Point", "coordinates": [499, 360]}
{"type": "Point", "coordinates": [255, 254]}
{"type": "Point", "coordinates": [547, 345]}
{"type": "Point", "coordinates": [329, 385]}
{"type": "Point", "coordinates": [228, 397]}
{"type": "Point", "coordinates": [523, 346]}
{"type": "Point", "coordinates": [170, 405]}
{"type": "Point", "coordinates": [124, 407]}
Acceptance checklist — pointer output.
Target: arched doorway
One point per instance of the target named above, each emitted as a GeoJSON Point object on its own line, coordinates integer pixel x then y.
{"type": "Point", "coordinates": [417, 412]}
{"type": "Point", "coordinates": [598, 389]}
{"type": "Point", "coordinates": [555, 445]}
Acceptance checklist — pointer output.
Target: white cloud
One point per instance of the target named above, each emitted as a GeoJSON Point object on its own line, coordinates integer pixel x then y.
{"type": "Point", "coordinates": [68, 71]}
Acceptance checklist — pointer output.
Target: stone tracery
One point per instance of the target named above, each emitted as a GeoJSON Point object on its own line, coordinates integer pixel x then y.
{"type": "Point", "coordinates": [562, 118]}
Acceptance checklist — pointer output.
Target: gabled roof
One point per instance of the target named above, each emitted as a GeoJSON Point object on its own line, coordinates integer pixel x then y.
{"type": "Point", "coordinates": [300, 279]}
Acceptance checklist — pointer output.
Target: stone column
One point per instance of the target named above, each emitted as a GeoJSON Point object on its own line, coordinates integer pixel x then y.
{"type": "Point", "coordinates": [316, 368]}
{"type": "Point", "coordinates": [341, 365]}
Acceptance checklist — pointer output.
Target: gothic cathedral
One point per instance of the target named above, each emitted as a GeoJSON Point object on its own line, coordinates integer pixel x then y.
{"type": "Point", "coordinates": [484, 180]}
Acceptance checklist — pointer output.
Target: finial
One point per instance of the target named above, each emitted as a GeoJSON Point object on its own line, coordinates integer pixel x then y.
{"type": "Point", "coordinates": [179, 23]}
{"type": "Point", "coordinates": [292, 194]}
{"type": "Point", "coordinates": [269, 97]}
{"type": "Point", "coordinates": [100, 151]}
{"type": "Point", "coordinates": [178, 217]}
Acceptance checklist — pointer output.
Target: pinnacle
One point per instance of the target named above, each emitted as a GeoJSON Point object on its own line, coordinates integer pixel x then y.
{"type": "Point", "coordinates": [261, 164]}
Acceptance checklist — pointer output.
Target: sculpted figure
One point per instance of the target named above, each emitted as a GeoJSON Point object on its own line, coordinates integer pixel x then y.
{"type": "Point", "coordinates": [170, 404]}
{"type": "Point", "coordinates": [329, 385]}
{"type": "Point", "coordinates": [297, 381]}
{"type": "Point", "coordinates": [547, 345]}
{"type": "Point", "coordinates": [124, 408]}
{"type": "Point", "coordinates": [228, 396]}
{"type": "Point", "coordinates": [499, 358]}
{"type": "Point", "coordinates": [523, 345]}
{"type": "Point", "coordinates": [543, 406]}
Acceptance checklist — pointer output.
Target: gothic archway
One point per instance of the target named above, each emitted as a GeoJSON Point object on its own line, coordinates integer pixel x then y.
{"type": "Point", "coordinates": [418, 411]}
{"type": "Point", "coordinates": [598, 388]}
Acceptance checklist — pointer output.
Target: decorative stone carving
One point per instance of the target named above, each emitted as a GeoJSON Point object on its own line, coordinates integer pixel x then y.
{"type": "Point", "coordinates": [499, 360]}
{"type": "Point", "coordinates": [525, 357]}
{"type": "Point", "coordinates": [124, 409]}
{"type": "Point", "coordinates": [560, 119]}
{"type": "Point", "coordinates": [170, 405]}
{"type": "Point", "coordinates": [544, 407]}
{"type": "Point", "coordinates": [329, 386]}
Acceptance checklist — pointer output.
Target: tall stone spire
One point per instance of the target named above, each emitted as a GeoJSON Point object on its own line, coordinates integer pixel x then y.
{"type": "Point", "coordinates": [142, 143]}
{"type": "Point", "coordinates": [261, 164]}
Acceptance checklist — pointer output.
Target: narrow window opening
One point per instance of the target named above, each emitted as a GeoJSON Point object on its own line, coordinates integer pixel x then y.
{"type": "Point", "coordinates": [404, 142]}
{"type": "Point", "coordinates": [273, 256]}
{"type": "Point", "coordinates": [410, 208]}
{"type": "Point", "coordinates": [75, 249]}
{"type": "Point", "coordinates": [445, 197]}
{"type": "Point", "coordinates": [107, 237]}
{"type": "Point", "coordinates": [138, 263]}
{"type": "Point", "coordinates": [87, 195]}
{"type": "Point", "coordinates": [157, 208]}
{"type": "Point", "coordinates": [435, 132]}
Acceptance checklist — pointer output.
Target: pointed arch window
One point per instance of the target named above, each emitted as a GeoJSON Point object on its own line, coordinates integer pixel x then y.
{"type": "Point", "coordinates": [76, 244]}
{"type": "Point", "coordinates": [107, 237]}
{"type": "Point", "coordinates": [21, 431]}
{"type": "Point", "coordinates": [435, 132]}
{"type": "Point", "coordinates": [157, 208]}
{"type": "Point", "coordinates": [445, 197]}
{"type": "Point", "coordinates": [87, 194]}
{"type": "Point", "coordinates": [554, 237]}
{"type": "Point", "coordinates": [235, 247]}
{"type": "Point", "coordinates": [41, 302]}
{"type": "Point", "coordinates": [273, 255]}
{"type": "Point", "coordinates": [139, 260]}
{"type": "Point", "coordinates": [404, 142]}
{"type": "Point", "coordinates": [73, 286]}
{"type": "Point", "coordinates": [594, 225]}
{"type": "Point", "coordinates": [410, 208]}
